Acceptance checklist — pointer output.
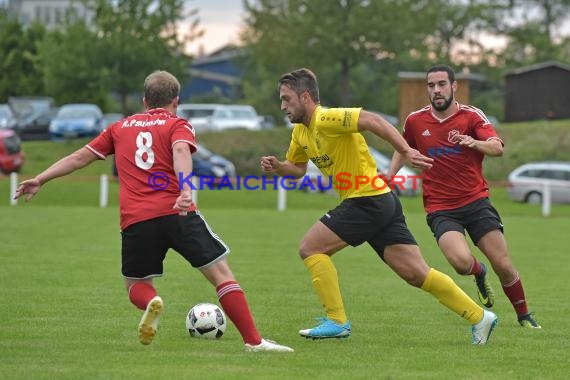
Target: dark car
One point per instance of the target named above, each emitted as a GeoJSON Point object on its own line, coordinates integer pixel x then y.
{"type": "Point", "coordinates": [206, 164]}
{"type": "Point", "coordinates": [220, 166]}
{"type": "Point", "coordinates": [11, 155]}
{"type": "Point", "coordinates": [36, 126]}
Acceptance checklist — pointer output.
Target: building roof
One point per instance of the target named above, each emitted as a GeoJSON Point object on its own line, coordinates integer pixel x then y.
{"type": "Point", "coordinates": [422, 75]}
{"type": "Point", "coordinates": [539, 66]}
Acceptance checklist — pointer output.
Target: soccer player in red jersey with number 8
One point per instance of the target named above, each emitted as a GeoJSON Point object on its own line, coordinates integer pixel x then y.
{"type": "Point", "coordinates": [156, 218]}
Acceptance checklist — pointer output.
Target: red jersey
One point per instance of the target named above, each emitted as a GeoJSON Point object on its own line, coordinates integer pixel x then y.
{"type": "Point", "coordinates": [142, 145]}
{"type": "Point", "coordinates": [456, 178]}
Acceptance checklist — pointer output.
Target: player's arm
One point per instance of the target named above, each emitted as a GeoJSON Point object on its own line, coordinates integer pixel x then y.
{"type": "Point", "coordinates": [491, 147]}
{"type": "Point", "coordinates": [376, 124]}
{"type": "Point", "coordinates": [182, 164]}
{"type": "Point", "coordinates": [395, 165]}
{"type": "Point", "coordinates": [70, 163]}
{"type": "Point", "coordinates": [270, 164]}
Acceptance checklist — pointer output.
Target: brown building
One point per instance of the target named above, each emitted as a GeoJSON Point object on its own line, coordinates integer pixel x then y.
{"type": "Point", "coordinates": [413, 91]}
{"type": "Point", "coordinates": [540, 91]}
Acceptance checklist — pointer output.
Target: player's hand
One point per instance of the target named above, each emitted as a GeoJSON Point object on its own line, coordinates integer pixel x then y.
{"type": "Point", "coordinates": [28, 188]}
{"type": "Point", "coordinates": [418, 160]}
{"type": "Point", "coordinates": [464, 140]}
{"type": "Point", "coordinates": [270, 164]}
{"type": "Point", "coordinates": [183, 203]}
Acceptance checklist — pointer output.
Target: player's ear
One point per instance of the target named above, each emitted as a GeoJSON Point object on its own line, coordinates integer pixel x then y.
{"type": "Point", "coordinates": [175, 102]}
{"type": "Point", "coordinates": [454, 85]}
{"type": "Point", "coordinates": [144, 103]}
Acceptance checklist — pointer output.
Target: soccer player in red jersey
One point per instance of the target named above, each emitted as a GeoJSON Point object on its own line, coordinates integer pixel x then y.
{"type": "Point", "coordinates": [153, 152]}
{"type": "Point", "coordinates": [455, 193]}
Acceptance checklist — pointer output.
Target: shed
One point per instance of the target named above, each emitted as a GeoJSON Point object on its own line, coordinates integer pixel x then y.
{"type": "Point", "coordinates": [540, 91]}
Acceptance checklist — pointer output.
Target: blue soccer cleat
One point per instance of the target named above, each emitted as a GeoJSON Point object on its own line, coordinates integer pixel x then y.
{"type": "Point", "coordinates": [327, 329]}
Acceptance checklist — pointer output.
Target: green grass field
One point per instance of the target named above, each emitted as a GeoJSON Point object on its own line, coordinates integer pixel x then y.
{"type": "Point", "coordinates": [67, 316]}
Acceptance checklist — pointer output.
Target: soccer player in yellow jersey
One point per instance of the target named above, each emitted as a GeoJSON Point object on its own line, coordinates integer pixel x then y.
{"type": "Point", "coordinates": [369, 211]}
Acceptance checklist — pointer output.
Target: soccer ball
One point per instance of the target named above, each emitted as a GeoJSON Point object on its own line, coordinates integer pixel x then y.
{"type": "Point", "coordinates": [206, 320]}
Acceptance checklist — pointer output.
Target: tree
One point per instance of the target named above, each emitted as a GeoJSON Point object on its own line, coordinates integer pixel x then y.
{"type": "Point", "coordinates": [21, 72]}
{"type": "Point", "coordinates": [139, 36]}
{"type": "Point", "coordinates": [357, 47]}
{"type": "Point", "coordinates": [127, 40]}
{"type": "Point", "coordinates": [72, 71]}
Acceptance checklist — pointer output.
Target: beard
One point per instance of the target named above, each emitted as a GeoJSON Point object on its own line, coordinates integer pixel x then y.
{"type": "Point", "coordinates": [296, 118]}
{"type": "Point", "coordinates": [445, 105]}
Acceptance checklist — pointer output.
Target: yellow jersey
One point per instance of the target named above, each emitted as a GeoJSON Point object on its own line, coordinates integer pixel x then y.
{"type": "Point", "coordinates": [334, 144]}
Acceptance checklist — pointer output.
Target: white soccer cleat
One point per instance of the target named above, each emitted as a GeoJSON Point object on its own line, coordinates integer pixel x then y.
{"type": "Point", "coordinates": [149, 320]}
{"type": "Point", "coordinates": [482, 331]}
{"type": "Point", "coordinates": [268, 346]}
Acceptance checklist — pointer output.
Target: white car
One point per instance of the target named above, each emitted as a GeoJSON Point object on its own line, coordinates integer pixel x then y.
{"type": "Point", "coordinates": [528, 182]}
{"type": "Point", "coordinates": [219, 117]}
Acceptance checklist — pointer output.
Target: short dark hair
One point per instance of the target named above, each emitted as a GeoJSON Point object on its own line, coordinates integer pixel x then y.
{"type": "Point", "coordinates": [302, 80]}
{"type": "Point", "coordinates": [160, 88]}
{"type": "Point", "coordinates": [447, 69]}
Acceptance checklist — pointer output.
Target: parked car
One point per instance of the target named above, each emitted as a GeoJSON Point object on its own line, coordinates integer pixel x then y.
{"type": "Point", "coordinates": [110, 118]}
{"type": "Point", "coordinates": [407, 182]}
{"type": "Point", "coordinates": [411, 183]}
{"type": "Point", "coordinates": [205, 163]}
{"type": "Point", "coordinates": [527, 182]}
{"type": "Point", "coordinates": [8, 119]}
{"type": "Point", "coordinates": [35, 126]}
{"type": "Point", "coordinates": [77, 120]}
{"type": "Point", "coordinates": [218, 117]}
{"type": "Point", "coordinates": [27, 108]}
{"type": "Point", "coordinates": [12, 157]}
{"type": "Point", "coordinates": [221, 166]}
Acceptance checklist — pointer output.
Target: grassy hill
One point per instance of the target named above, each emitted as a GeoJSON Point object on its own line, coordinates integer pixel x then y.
{"type": "Point", "coordinates": [531, 141]}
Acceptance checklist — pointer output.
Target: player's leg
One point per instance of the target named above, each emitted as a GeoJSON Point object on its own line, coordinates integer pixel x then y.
{"type": "Point", "coordinates": [486, 230]}
{"type": "Point", "coordinates": [494, 246]}
{"type": "Point", "coordinates": [407, 261]}
{"type": "Point", "coordinates": [233, 301]}
{"type": "Point", "coordinates": [196, 242]}
{"type": "Point", "coordinates": [316, 247]}
{"type": "Point", "coordinates": [448, 231]}
{"type": "Point", "coordinates": [142, 254]}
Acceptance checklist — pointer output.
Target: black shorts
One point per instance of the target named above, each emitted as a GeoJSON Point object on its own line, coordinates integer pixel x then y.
{"type": "Point", "coordinates": [478, 218]}
{"type": "Point", "coordinates": [378, 220]}
{"type": "Point", "coordinates": [145, 244]}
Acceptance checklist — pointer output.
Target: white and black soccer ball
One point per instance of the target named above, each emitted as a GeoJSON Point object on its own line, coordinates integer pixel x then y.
{"type": "Point", "coordinates": [206, 320]}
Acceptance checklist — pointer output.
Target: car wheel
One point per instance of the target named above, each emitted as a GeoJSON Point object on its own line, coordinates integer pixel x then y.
{"type": "Point", "coordinates": [534, 198]}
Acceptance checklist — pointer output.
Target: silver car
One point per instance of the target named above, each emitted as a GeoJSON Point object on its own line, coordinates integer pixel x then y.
{"type": "Point", "coordinates": [528, 182]}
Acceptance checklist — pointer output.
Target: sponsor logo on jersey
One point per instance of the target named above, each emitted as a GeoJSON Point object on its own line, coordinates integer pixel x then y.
{"type": "Point", "coordinates": [439, 151]}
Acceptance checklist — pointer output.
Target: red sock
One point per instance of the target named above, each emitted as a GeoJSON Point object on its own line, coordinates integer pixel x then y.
{"type": "Point", "coordinates": [140, 294]}
{"type": "Point", "coordinates": [233, 302]}
{"type": "Point", "coordinates": [475, 267]}
{"type": "Point", "coordinates": [515, 292]}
